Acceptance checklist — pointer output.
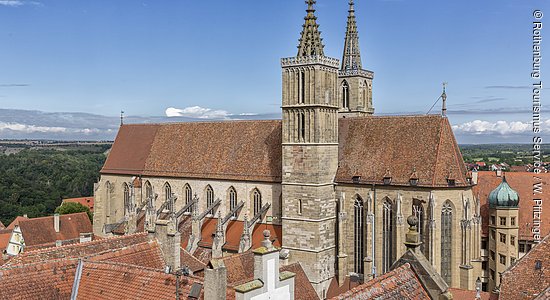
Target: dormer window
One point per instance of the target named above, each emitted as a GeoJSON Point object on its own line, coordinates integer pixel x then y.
{"type": "Point", "coordinates": [413, 180]}
{"type": "Point", "coordinates": [451, 182]}
{"type": "Point", "coordinates": [356, 179]}
{"type": "Point", "coordinates": [387, 177]}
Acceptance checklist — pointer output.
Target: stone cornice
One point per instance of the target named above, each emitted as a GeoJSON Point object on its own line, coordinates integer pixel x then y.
{"type": "Point", "coordinates": [357, 72]}
{"type": "Point", "coordinates": [310, 60]}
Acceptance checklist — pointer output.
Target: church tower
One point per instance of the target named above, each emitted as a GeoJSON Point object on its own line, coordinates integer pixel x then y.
{"type": "Point", "coordinates": [355, 84]}
{"type": "Point", "coordinates": [310, 155]}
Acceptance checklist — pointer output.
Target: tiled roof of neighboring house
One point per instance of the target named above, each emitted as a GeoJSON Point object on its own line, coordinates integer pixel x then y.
{"type": "Point", "coordinates": [86, 201]}
{"type": "Point", "coordinates": [78, 250]}
{"type": "Point", "coordinates": [400, 283]}
{"type": "Point", "coordinates": [521, 182]}
{"type": "Point", "coordinates": [203, 254]}
{"type": "Point", "coordinates": [2, 225]}
{"type": "Point", "coordinates": [5, 236]}
{"type": "Point", "coordinates": [185, 228]}
{"type": "Point", "coordinates": [251, 150]}
{"type": "Point", "coordinates": [371, 147]}
{"type": "Point", "coordinates": [46, 280]}
{"type": "Point", "coordinates": [303, 290]}
{"type": "Point", "coordinates": [102, 280]}
{"type": "Point", "coordinates": [471, 295]}
{"type": "Point", "coordinates": [16, 222]}
{"type": "Point", "coordinates": [529, 276]}
{"type": "Point", "coordinates": [147, 254]}
{"type": "Point", "coordinates": [186, 259]}
{"type": "Point", "coordinates": [234, 150]}
{"type": "Point", "coordinates": [519, 168]}
{"type": "Point", "coordinates": [38, 231]}
{"type": "Point", "coordinates": [544, 295]}
{"type": "Point", "coordinates": [240, 269]}
{"type": "Point", "coordinates": [258, 236]}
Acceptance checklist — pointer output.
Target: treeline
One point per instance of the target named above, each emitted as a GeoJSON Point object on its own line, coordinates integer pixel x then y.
{"type": "Point", "coordinates": [34, 182]}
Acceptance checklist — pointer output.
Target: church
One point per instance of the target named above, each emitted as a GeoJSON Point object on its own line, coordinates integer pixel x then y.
{"type": "Point", "coordinates": [333, 182]}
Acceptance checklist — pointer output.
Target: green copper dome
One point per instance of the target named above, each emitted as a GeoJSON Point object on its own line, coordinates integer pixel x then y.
{"type": "Point", "coordinates": [503, 196]}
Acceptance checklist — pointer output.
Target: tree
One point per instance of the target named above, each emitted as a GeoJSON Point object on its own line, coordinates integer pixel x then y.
{"type": "Point", "coordinates": [72, 208]}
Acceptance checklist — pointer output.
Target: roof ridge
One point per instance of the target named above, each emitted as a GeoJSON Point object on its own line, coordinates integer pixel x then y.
{"type": "Point", "coordinates": [46, 217]}
{"type": "Point", "coordinates": [202, 122]}
{"type": "Point", "coordinates": [48, 249]}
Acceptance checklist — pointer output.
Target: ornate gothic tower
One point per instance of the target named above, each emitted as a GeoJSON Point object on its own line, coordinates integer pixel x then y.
{"type": "Point", "coordinates": [310, 155]}
{"type": "Point", "coordinates": [355, 92]}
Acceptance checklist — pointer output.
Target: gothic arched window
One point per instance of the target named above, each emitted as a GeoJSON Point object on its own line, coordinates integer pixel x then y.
{"type": "Point", "coordinates": [108, 189]}
{"type": "Point", "coordinates": [358, 235]}
{"type": "Point", "coordinates": [209, 196]}
{"type": "Point", "coordinates": [232, 200]}
{"type": "Point", "coordinates": [148, 190]}
{"type": "Point", "coordinates": [446, 241]}
{"type": "Point", "coordinates": [126, 195]}
{"type": "Point", "coordinates": [365, 94]}
{"type": "Point", "coordinates": [302, 92]}
{"type": "Point", "coordinates": [302, 126]}
{"type": "Point", "coordinates": [345, 95]}
{"type": "Point", "coordinates": [387, 235]}
{"type": "Point", "coordinates": [167, 195]}
{"type": "Point", "coordinates": [418, 211]}
{"type": "Point", "coordinates": [257, 201]}
{"type": "Point", "coordinates": [188, 195]}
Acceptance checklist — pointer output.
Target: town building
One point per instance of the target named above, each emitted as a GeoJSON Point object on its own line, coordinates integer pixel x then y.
{"type": "Point", "coordinates": [513, 223]}
{"type": "Point", "coordinates": [86, 201]}
{"type": "Point", "coordinates": [333, 179]}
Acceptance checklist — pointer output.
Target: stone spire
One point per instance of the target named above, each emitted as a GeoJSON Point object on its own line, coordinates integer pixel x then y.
{"type": "Point", "coordinates": [311, 43]}
{"type": "Point", "coordinates": [352, 55]}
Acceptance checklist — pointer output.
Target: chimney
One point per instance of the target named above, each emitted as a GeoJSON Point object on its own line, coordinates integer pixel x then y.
{"type": "Point", "coordinates": [169, 239]}
{"type": "Point", "coordinates": [56, 222]}
{"type": "Point", "coordinates": [215, 280]}
{"type": "Point", "coordinates": [499, 172]}
{"type": "Point", "coordinates": [474, 176]}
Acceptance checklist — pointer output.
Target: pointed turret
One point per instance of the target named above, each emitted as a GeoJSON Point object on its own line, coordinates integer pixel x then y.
{"type": "Point", "coordinates": [355, 82]}
{"type": "Point", "coordinates": [311, 43]}
{"type": "Point", "coordinates": [351, 59]}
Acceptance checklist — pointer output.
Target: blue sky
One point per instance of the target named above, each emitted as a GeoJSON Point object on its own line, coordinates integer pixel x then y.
{"type": "Point", "coordinates": [220, 59]}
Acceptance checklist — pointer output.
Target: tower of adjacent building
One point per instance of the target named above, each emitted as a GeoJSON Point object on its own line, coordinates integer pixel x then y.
{"type": "Point", "coordinates": [310, 154]}
{"type": "Point", "coordinates": [355, 83]}
{"type": "Point", "coordinates": [503, 231]}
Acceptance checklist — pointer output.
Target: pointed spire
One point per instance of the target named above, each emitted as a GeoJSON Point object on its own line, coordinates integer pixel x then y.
{"type": "Point", "coordinates": [311, 43]}
{"type": "Point", "coordinates": [352, 55]}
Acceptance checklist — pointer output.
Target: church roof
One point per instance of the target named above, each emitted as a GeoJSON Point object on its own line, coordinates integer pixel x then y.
{"type": "Point", "coordinates": [251, 151]}
{"type": "Point", "coordinates": [370, 147]}
{"type": "Point", "coordinates": [242, 150]}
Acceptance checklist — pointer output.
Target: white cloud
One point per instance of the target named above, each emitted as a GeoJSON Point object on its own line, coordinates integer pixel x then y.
{"type": "Point", "coordinates": [479, 127]}
{"type": "Point", "coordinates": [30, 128]}
{"type": "Point", "coordinates": [197, 112]}
{"type": "Point", "coordinates": [11, 3]}
{"type": "Point", "coordinates": [15, 3]}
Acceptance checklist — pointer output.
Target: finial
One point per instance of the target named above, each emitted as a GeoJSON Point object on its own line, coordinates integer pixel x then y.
{"type": "Point", "coordinates": [412, 238]}
{"type": "Point", "coordinates": [267, 242]}
{"type": "Point", "coordinates": [121, 117]}
{"type": "Point", "coordinates": [444, 97]}
{"type": "Point", "coordinates": [351, 6]}
{"type": "Point", "coordinates": [310, 4]}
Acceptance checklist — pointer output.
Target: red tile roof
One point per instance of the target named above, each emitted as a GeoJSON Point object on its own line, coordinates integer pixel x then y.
{"type": "Point", "coordinates": [243, 150]}
{"type": "Point", "coordinates": [251, 150]}
{"type": "Point", "coordinates": [5, 236]}
{"type": "Point", "coordinates": [80, 250]}
{"type": "Point", "coordinates": [50, 280]}
{"type": "Point", "coordinates": [471, 295]}
{"type": "Point", "coordinates": [86, 201]}
{"type": "Point", "coordinates": [521, 182]}
{"type": "Point", "coordinates": [233, 235]}
{"type": "Point", "coordinates": [372, 146]}
{"type": "Point", "coordinates": [400, 283]}
{"type": "Point", "coordinates": [2, 225]}
{"type": "Point", "coordinates": [522, 280]}
{"type": "Point", "coordinates": [303, 290]}
{"type": "Point", "coordinates": [186, 259]}
{"type": "Point", "coordinates": [16, 222]}
{"type": "Point", "coordinates": [240, 269]}
{"type": "Point", "coordinates": [102, 280]}
{"type": "Point", "coordinates": [147, 254]}
{"type": "Point", "coordinates": [39, 231]}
